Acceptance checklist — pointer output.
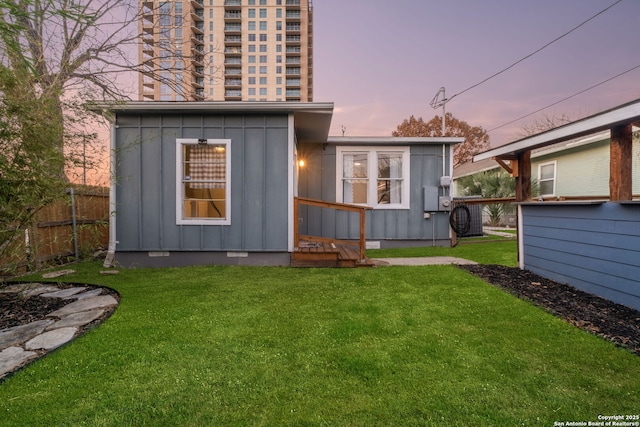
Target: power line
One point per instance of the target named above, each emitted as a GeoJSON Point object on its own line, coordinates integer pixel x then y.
{"type": "Point", "coordinates": [536, 51]}
{"type": "Point", "coordinates": [567, 98]}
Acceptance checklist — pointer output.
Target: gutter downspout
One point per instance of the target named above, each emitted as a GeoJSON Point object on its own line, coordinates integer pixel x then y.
{"type": "Point", "coordinates": [292, 182]}
{"type": "Point", "coordinates": [111, 251]}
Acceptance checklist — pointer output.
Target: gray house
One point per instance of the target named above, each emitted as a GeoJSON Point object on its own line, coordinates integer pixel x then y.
{"type": "Point", "coordinates": [259, 183]}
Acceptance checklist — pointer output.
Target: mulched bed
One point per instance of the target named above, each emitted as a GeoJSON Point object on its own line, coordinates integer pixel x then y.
{"type": "Point", "coordinates": [18, 310]}
{"type": "Point", "coordinates": [614, 322]}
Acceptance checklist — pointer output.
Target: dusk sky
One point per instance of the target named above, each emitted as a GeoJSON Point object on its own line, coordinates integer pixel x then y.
{"type": "Point", "coordinates": [381, 61]}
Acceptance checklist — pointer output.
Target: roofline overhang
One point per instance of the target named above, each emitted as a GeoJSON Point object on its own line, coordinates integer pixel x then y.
{"type": "Point", "coordinates": [393, 140]}
{"type": "Point", "coordinates": [621, 115]}
{"type": "Point", "coordinates": [217, 106]}
{"type": "Point", "coordinates": [312, 120]}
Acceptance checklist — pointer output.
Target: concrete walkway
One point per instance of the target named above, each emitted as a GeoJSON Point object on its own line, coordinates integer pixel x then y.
{"type": "Point", "coordinates": [502, 232]}
{"type": "Point", "coordinates": [431, 260]}
{"type": "Point", "coordinates": [22, 344]}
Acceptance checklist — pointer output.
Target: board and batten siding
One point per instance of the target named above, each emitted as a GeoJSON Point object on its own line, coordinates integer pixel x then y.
{"type": "Point", "coordinates": [593, 247]}
{"type": "Point", "coordinates": [318, 181]}
{"type": "Point", "coordinates": [579, 172]}
{"type": "Point", "coordinates": [146, 182]}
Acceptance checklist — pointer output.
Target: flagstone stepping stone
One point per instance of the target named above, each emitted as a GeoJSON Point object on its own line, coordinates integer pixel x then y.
{"type": "Point", "coordinates": [21, 333]}
{"type": "Point", "coordinates": [39, 290]}
{"type": "Point", "coordinates": [64, 293]}
{"type": "Point", "coordinates": [77, 319]}
{"type": "Point", "coordinates": [90, 303]}
{"type": "Point", "coordinates": [12, 358]}
{"type": "Point", "coordinates": [109, 272]}
{"type": "Point", "coordinates": [19, 287]}
{"type": "Point", "coordinates": [87, 294]}
{"type": "Point", "coordinates": [59, 273]}
{"type": "Point", "coordinates": [52, 339]}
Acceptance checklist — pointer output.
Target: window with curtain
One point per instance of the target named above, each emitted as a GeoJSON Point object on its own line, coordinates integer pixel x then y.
{"type": "Point", "coordinates": [376, 177]}
{"type": "Point", "coordinates": [203, 181]}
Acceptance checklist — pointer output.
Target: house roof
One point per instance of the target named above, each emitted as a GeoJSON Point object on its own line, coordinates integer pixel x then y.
{"type": "Point", "coordinates": [312, 120]}
{"type": "Point", "coordinates": [393, 140]}
{"type": "Point", "coordinates": [621, 115]}
{"type": "Point", "coordinates": [473, 167]}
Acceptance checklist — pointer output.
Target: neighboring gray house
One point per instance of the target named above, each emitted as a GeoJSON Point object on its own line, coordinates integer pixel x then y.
{"type": "Point", "coordinates": [592, 244]}
{"type": "Point", "coordinates": [220, 183]}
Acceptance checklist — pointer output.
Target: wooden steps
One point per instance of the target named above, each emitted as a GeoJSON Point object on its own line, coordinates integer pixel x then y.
{"type": "Point", "coordinates": [326, 254]}
{"type": "Point", "coordinates": [318, 251]}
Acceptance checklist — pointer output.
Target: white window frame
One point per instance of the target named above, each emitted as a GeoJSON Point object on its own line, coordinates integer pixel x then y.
{"type": "Point", "coordinates": [554, 179]}
{"type": "Point", "coordinates": [180, 219]}
{"type": "Point", "coordinates": [372, 174]}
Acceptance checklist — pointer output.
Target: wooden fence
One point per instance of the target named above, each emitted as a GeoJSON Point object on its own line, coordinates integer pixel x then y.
{"type": "Point", "coordinates": [73, 227]}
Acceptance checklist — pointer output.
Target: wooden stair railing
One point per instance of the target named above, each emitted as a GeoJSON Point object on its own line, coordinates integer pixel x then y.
{"type": "Point", "coordinates": [361, 210]}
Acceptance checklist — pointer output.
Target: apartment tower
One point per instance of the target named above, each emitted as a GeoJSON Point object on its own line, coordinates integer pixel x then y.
{"type": "Point", "coordinates": [226, 50]}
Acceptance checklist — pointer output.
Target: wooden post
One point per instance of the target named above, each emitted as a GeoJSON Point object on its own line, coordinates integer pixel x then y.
{"type": "Point", "coordinates": [363, 240]}
{"type": "Point", "coordinates": [523, 193]}
{"type": "Point", "coordinates": [620, 166]}
{"type": "Point", "coordinates": [523, 179]}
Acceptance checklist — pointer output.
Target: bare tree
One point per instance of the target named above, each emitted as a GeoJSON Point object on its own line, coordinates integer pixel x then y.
{"type": "Point", "coordinates": [70, 51]}
{"type": "Point", "coordinates": [63, 52]}
{"type": "Point", "coordinates": [544, 123]}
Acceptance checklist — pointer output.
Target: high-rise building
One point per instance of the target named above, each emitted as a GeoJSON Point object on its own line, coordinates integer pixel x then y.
{"type": "Point", "coordinates": [226, 50]}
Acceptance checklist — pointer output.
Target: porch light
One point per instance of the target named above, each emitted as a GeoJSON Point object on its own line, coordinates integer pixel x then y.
{"type": "Point", "coordinates": [301, 163]}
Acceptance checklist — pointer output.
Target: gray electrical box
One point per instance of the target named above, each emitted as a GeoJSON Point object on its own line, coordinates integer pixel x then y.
{"type": "Point", "coordinates": [445, 181]}
{"type": "Point", "coordinates": [430, 199]}
{"type": "Point", "coordinates": [444, 203]}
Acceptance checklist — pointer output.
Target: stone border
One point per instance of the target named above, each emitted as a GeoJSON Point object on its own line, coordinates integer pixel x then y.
{"type": "Point", "coordinates": [20, 345]}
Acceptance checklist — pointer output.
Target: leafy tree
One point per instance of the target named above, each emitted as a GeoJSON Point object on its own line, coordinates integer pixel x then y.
{"type": "Point", "coordinates": [29, 164]}
{"type": "Point", "coordinates": [54, 55]}
{"type": "Point", "coordinates": [476, 138]}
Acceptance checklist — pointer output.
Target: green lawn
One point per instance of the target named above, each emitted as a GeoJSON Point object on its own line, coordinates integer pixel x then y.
{"type": "Point", "coordinates": [391, 346]}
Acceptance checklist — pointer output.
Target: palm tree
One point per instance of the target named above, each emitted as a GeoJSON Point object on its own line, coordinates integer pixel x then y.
{"type": "Point", "coordinates": [491, 184]}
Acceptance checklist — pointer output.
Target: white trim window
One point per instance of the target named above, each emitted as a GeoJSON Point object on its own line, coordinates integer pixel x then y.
{"type": "Point", "coordinates": [547, 178]}
{"type": "Point", "coordinates": [373, 176]}
{"type": "Point", "coordinates": [203, 184]}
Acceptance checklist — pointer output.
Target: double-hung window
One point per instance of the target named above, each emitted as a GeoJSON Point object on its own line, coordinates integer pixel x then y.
{"type": "Point", "coordinates": [373, 176]}
{"type": "Point", "coordinates": [203, 181]}
{"type": "Point", "coordinates": [547, 178]}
